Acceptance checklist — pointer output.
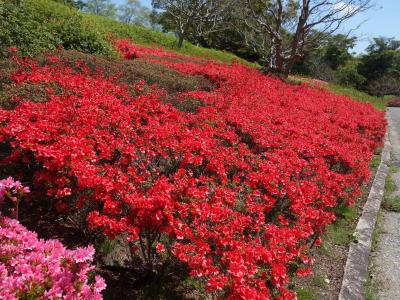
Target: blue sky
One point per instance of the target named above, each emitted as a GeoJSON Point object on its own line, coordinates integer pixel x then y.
{"type": "Point", "coordinates": [383, 20]}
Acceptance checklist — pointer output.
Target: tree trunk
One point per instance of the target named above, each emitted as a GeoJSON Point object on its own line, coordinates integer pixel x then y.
{"type": "Point", "coordinates": [180, 40]}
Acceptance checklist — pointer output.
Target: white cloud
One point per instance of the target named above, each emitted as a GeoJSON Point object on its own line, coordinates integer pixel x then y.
{"type": "Point", "coordinates": [345, 7]}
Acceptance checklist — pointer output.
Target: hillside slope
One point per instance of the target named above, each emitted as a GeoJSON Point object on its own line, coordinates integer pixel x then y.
{"type": "Point", "coordinates": [216, 178]}
{"type": "Point", "coordinates": [39, 25]}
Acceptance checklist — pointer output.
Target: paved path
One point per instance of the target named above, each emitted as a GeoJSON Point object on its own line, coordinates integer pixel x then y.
{"type": "Point", "coordinates": [386, 259]}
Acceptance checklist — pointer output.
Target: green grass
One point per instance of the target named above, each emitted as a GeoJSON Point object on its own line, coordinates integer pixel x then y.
{"type": "Point", "coordinates": [106, 246]}
{"type": "Point", "coordinates": [306, 293]}
{"type": "Point", "coordinates": [351, 92]}
{"type": "Point", "coordinates": [371, 287]}
{"type": "Point", "coordinates": [390, 202]}
{"type": "Point", "coordinates": [390, 185]}
{"type": "Point", "coordinates": [318, 280]}
{"type": "Point", "coordinates": [339, 232]}
{"type": "Point", "coordinates": [148, 37]}
{"type": "Point", "coordinates": [375, 162]}
{"type": "Point", "coordinates": [376, 234]}
{"type": "Point", "coordinates": [393, 169]}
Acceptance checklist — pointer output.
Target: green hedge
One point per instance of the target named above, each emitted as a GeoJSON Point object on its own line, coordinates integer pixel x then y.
{"type": "Point", "coordinates": [39, 25]}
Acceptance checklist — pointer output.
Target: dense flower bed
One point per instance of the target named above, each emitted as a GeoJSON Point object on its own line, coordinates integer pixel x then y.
{"type": "Point", "coordinates": [31, 268]}
{"type": "Point", "coordinates": [394, 102]}
{"type": "Point", "coordinates": [238, 190]}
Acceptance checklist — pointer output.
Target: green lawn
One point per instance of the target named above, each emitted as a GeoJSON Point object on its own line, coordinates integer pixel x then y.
{"type": "Point", "coordinates": [351, 92]}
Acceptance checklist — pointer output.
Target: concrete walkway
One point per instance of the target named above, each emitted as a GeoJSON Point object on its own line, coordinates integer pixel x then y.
{"type": "Point", "coordinates": [386, 258]}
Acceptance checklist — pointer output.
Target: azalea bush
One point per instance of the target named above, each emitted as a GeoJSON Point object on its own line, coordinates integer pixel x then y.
{"type": "Point", "coordinates": [11, 193]}
{"type": "Point", "coordinates": [31, 268]}
{"type": "Point", "coordinates": [39, 25]}
{"type": "Point", "coordinates": [238, 188]}
{"type": "Point", "coordinates": [394, 102]}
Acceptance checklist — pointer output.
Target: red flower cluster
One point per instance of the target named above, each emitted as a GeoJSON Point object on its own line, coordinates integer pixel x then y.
{"type": "Point", "coordinates": [132, 51]}
{"type": "Point", "coordinates": [238, 190]}
{"type": "Point", "coordinates": [394, 102]}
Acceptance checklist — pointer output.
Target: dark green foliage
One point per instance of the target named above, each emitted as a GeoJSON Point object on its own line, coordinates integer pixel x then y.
{"type": "Point", "coordinates": [325, 60]}
{"type": "Point", "coordinates": [375, 64]}
{"type": "Point", "coordinates": [336, 52]}
{"type": "Point", "coordinates": [40, 25]}
{"type": "Point", "coordinates": [381, 67]}
{"type": "Point", "coordinates": [189, 105]}
{"type": "Point", "coordinates": [348, 75]}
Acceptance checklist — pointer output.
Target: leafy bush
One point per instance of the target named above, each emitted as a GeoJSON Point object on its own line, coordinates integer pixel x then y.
{"type": "Point", "coordinates": [348, 74]}
{"type": "Point", "coordinates": [39, 25]}
{"type": "Point", "coordinates": [238, 189]}
{"type": "Point", "coordinates": [11, 193]}
{"type": "Point", "coordinates": [32, 268]}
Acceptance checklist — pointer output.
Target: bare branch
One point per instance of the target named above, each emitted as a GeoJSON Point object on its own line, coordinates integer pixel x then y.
{"type": "Point", "coordinates": [282, 30]}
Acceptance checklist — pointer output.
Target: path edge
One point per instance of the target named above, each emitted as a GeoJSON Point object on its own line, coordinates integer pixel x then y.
{"type": "Point", "coordinates": [356, 270]}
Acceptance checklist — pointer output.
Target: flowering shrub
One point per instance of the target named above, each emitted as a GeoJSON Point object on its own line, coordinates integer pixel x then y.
{"type": "Point", "coordinates": [132, 51]}
{"type": "Point", "coordinates": [394, 102]}
{"type": "Point", "coordinates": [31, 268]}
{"type": "Point", "coordinates": [238, 189]}
{"type": "Point", "coordinates": [13, 191]}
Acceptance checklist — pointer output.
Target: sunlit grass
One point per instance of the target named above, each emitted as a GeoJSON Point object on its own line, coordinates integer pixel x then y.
{"type": "Point", "coordinates": [348, 91]}
{"type": "Point", "coordinates": [351, 92]}
{"type": "Point", "coordinates": [148, 37]}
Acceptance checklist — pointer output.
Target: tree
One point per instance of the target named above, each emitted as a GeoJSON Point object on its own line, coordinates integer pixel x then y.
{"type": "Point", "coordinates": [198, 17]}
{"type": "Point", "coordinates": [337, 50]}
{"type": "Point", "coordinates": [381, 67]}
{"type": "Point", "coordinates": [348, 74]}
{"type": "Point", "coordinates": [385, 85]}
{"type": "Point", "coordinates": [382, 58]}
{"type": "Point", "coordinates": [324, 59]}
{"type": "Point", "coordinates": [282, 31]}
{"type": "Point", "coordinates": [74, 3]}
{"type": "Point", "coordinates": [133, 12]}
{"type": "Point", "coordinates": [381, 44]}
{"type": "Point", "coordinates": [101, 8]}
